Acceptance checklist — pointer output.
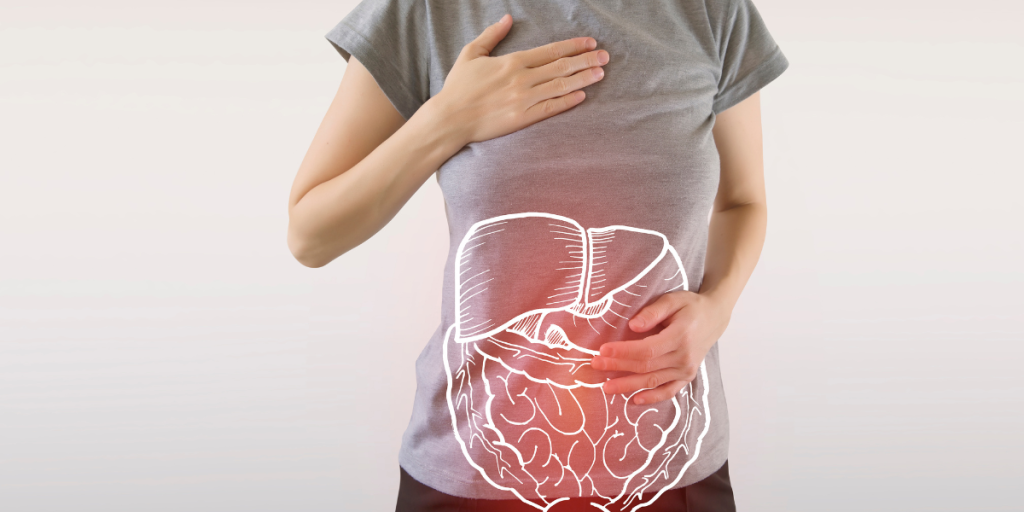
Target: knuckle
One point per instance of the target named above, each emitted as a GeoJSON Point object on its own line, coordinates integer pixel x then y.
{"type": "Point", "coordinates": [563, 66]}
{"type": "Point", "coordinates": [689, 372]}
{"type": "Point", "coordinates": [685, 334]}
{"type": "Point", "coordinates": [506, 66]}
{"type": "Point", "coordinates": [521, 82]}
{"type": "Point", "coordinates": [652, 381]}
{"type": "Point", "coordinates": [550, 107]}
{"type": "Point", "coordinates": [648, 353]}
{"type": "Point", "coordinates": [554, 52]}
{"type": "Point", "coordinates": [694, 323]}
{"type": "Point", "coordinates": [560, 84]}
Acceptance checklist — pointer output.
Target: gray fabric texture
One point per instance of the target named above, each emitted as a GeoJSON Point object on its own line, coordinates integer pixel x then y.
{"type": "Point", "coordinates": [599, 209]}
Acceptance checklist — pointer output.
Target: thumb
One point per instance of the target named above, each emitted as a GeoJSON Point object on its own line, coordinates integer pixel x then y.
{"type": "Point", "coordinates": [484, 44]}
{"type": "Point", "coordinates": [656, 312]}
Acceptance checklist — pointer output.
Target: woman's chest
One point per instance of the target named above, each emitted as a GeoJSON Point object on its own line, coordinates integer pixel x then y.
{"type": "Point", "coordinates": [642, 135]}
{"type": "Point", "coordinates": [663, 58]}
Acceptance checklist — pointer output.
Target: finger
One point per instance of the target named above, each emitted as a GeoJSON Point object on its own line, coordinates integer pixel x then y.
{"type": "Point", "coordinates": [562, 85]}
{"type": "Point", "coordinates": [663, 392]}
{"type": "Point", "coordinates": [490, 37]}
{"type": "Point", "coordinates": [551, 52]}
{"type": "Point", "coordinates": [659, 310]}
{"type": "Point", "coordinates": [630, 383]}
{"type": "Point", "coordinates": [566, 66]}
{"type": "Point", "coordinates": [632, 365]}
{"type": "Point", "coordinates": [553, 106]}
{"type": "Point", "coordinates": [650, 347]}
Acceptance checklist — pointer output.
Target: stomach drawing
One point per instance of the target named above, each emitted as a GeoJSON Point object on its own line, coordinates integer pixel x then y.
{"type": "Point", "coordinates": [536, 295]}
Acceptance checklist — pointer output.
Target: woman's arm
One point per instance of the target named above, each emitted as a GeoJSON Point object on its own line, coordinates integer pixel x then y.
{"type": "Point", "coordinates": [365, 161]}
{"type": "Point", "coordinates": [740, 216]}
{"type": "Point", "coordinates": [363, 165]}
{"type": "Point", "coordinates": [667, 361]}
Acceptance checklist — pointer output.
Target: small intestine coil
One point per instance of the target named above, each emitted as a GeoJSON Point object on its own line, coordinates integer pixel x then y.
{"type": "Point", "coordinates": [536, 295]}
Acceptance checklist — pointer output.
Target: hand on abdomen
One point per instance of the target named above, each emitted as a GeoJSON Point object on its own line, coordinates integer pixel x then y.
{"type": "Point", "coordinates": [537, 295]}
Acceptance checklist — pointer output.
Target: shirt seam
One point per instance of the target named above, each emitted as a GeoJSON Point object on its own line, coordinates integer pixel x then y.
{"type": "Point", "coordinates": [364, 44]}
{"type": "Point", "coordinates": [744, 82]}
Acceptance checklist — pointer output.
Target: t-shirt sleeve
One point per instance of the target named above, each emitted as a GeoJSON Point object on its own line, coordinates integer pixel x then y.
{"type": "Point", "coordinates": [392, 40]}
{"type": "Point", "coordinates": [749, 56]}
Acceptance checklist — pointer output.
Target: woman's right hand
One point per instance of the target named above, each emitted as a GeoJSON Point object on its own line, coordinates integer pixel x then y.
{"type": "Point", "coordinates": [493, 96]}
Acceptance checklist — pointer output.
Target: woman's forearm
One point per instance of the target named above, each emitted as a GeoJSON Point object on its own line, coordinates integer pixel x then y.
{"type": "Point", "coordinates": [343, 212]}
{"type": "Point", "coordinates": [491, 97]}
{"type": "Point", "coordinates": [735, 238]}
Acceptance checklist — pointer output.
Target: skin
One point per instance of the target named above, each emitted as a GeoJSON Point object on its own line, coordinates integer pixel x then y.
{"type": "Point", "coordinates": [366, 161]}
{"type": "Point", "coordinates": [692, 322]}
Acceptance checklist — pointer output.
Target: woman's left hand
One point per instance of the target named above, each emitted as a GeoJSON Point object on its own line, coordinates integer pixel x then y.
{"type": "Point", "coordinates": [665, 362]}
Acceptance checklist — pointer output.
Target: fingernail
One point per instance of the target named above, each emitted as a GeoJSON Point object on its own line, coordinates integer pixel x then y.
{"type": "Point", "coordinates": [602, 57]}
{"type": "Point", "coordinates": [591, 44]}
{"type": "Point", "coordinates": [503, 16]}
{"type": "Point", "coordinates": [640, 401]}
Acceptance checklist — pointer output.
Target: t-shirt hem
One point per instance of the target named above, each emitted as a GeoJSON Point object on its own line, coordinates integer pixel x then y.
{"type": "Point", "coordinates": [351, 42]}
{"type": "Point", "coordinates": [761, 76]}
{"type": "Point", "coordinates": [440, 479]}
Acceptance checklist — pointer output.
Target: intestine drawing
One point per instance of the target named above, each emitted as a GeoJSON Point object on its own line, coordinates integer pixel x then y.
{"type": "Point", "coordinates": [536, 295]}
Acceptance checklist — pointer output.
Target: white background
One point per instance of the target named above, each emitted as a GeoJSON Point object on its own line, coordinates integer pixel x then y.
{"type": "Point", "coordinates": [160, 349]}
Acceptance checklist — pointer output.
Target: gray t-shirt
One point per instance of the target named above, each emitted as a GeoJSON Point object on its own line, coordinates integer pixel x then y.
{"type": "Point", "coordinates": [560, 233]}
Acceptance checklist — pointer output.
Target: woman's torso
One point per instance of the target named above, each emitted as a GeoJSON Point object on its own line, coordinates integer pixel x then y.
{"type": "Point", "coordinates": [559, 233]}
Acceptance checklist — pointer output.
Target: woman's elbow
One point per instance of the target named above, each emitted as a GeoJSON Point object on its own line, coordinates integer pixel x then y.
{"type": "Point", "coordinates": [304, 251]}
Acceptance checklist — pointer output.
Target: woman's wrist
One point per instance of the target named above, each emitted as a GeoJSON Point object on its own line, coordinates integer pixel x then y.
{"type": "Point", "coordinates": [441, 125]}
{"type": "Point", "coordinates": [723, 298]}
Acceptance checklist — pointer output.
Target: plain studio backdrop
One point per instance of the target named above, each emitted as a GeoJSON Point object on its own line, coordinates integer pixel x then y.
{"type": "Point", "coordinates": [161, 350]}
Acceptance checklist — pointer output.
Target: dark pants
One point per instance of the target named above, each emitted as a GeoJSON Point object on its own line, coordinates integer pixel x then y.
{"type": "Point", "coordinates": [712, 494]}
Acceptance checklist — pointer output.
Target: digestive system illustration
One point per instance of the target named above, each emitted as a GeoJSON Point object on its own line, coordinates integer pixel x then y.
{"type": "Point", "coordinates": [536, 295]}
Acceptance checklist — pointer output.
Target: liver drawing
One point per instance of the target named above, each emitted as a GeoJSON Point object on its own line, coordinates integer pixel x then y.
{"type": "Point", "coordinates": [536, 295]}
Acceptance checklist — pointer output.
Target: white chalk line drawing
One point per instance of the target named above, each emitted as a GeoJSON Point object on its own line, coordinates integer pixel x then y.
{"type": "Point", "coordinates": [539, 394]}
